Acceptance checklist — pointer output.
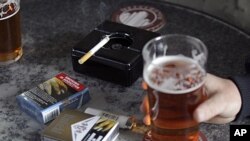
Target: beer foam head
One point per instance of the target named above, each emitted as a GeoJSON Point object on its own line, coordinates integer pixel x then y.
{"type": "Point", "coordinates": [174, 74]}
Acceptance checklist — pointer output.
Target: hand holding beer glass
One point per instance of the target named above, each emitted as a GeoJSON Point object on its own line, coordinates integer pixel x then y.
{"type": "Point", "coordinates": [10, 33]}
{"type": "Point", "coordinates": [174, 71]}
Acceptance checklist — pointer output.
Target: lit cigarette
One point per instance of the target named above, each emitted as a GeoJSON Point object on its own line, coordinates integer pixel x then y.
{"type": "Point", "coordinates": [94, 50]}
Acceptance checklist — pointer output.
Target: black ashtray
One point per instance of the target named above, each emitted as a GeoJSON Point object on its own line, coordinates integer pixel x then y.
{"type": "Point", "coordinates": [120, 59]}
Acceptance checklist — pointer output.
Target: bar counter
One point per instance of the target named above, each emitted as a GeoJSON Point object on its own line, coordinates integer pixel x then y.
{"type": "Point", "coordinates": [51, 28]}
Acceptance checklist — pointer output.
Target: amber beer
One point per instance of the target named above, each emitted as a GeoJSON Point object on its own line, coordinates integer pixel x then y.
{"type": "Point", "coordinates": [175, 88]}
{"type": "Point", "coordinates": [10, 33]}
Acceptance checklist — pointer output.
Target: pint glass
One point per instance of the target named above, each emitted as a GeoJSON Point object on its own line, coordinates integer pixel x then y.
{"type": "Point", "coordinates": [174, 70]}
{"type": "Point", "coordinates": [10, 34]}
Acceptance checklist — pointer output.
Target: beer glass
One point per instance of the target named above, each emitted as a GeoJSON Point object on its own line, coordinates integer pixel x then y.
{"type": "Point", "coordinates": [174, 71]}
{"type": "Point", "coordinates": [10, 33]}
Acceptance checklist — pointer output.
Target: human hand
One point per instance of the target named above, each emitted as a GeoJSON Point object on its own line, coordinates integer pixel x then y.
{"type": "Point", "coordinates": [222, 105]}
{"type": "Point", "coordinates": [53, 85]}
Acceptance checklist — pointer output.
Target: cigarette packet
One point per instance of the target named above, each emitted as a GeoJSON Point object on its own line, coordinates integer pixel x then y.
{"type": "Point", "coordinates": [45, 101]}
{"type": "Point", "coordinates": [78, 126]}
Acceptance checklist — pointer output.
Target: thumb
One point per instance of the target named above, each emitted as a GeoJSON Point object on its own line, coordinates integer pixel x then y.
{"type": "Point", "coordinates": [210, 108]}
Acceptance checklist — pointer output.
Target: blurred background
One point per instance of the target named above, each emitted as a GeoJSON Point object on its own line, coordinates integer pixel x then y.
{"type": "Point", "coordinates": [236, 12]}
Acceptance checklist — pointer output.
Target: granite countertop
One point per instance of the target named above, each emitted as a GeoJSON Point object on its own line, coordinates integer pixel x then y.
{"type": "Point", "coordinates": [51, 28]}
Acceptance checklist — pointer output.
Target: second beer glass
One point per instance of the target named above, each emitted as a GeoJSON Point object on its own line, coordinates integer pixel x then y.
{"type": "Point", "coordinates": [174, 70]}
{"type": "Point", "coordinates": [10, 31]}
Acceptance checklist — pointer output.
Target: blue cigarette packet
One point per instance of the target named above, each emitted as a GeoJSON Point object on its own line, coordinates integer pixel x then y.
{"type": "Point", "coordinates": [45, 101]}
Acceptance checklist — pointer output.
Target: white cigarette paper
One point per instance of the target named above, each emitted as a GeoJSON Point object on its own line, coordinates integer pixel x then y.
{"type": "Point", "coordinates": [94, 49]}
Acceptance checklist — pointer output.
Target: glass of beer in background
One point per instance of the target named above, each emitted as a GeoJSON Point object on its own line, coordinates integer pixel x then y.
{"type": "Point", "coordinates": [10, 32]}
{"type": "Point", "coordinates": [174, 71]}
